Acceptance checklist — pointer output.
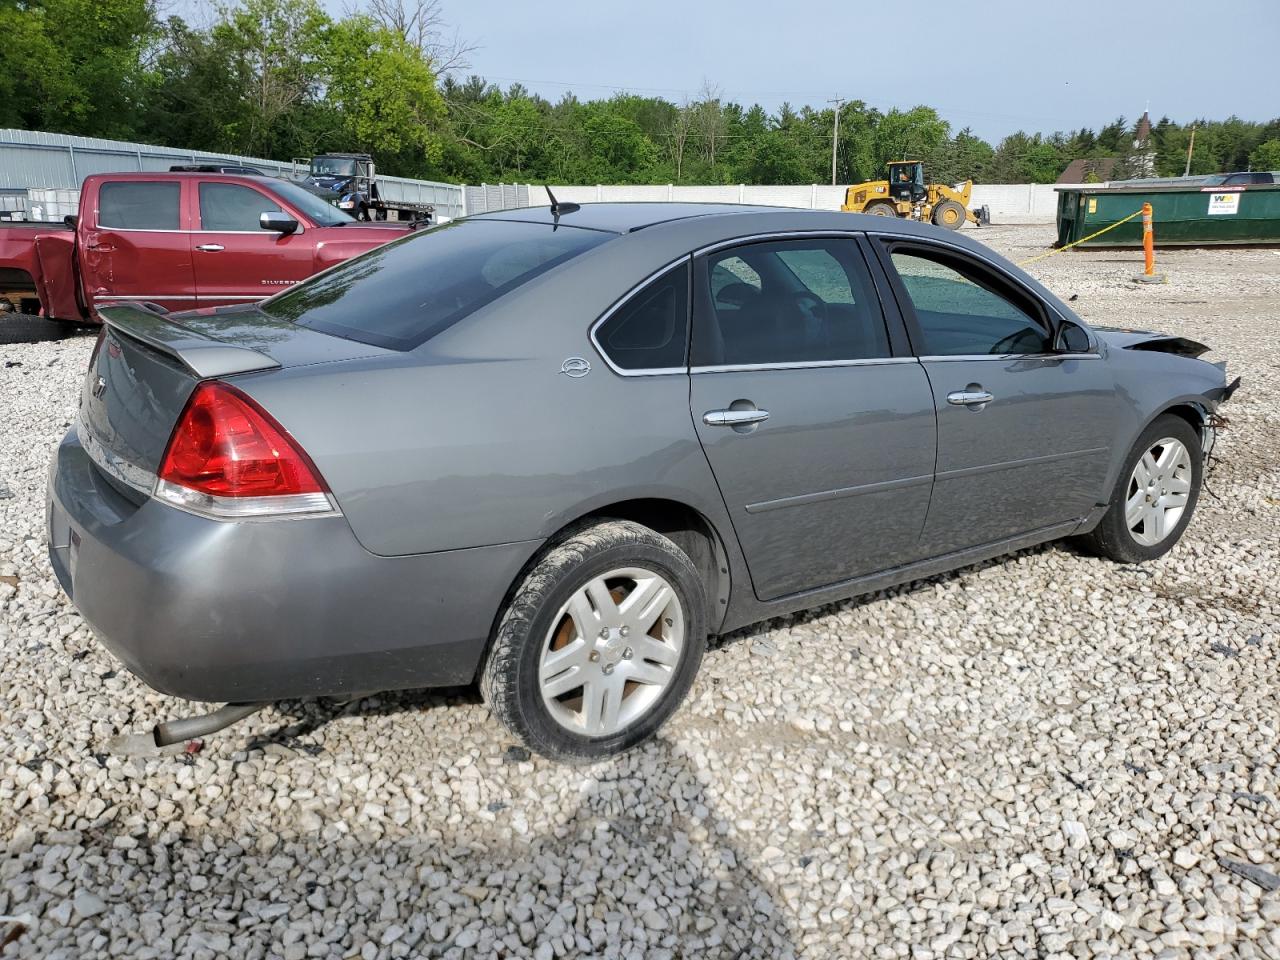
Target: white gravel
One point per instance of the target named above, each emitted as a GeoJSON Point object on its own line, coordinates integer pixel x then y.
{"type": "Point", "coordinates": [1046, 756]}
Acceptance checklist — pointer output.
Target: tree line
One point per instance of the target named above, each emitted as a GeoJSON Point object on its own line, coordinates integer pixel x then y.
{"type": "Point", "coordinates": [284, 78]}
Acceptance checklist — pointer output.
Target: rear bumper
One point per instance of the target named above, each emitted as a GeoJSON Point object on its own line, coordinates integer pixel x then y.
{"type": "Point", "coordinates": [265, 610]}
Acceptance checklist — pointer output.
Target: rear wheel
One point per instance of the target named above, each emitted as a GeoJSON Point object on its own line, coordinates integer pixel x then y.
{"type": "Point", "coordinates": [30, 328]}
{"type": "Point", "coordinates": [599, 643]}
{"type": "Point", "coordinates": [1155, 496]}
{"type": "Point", "coordinates": [949, 214]}
{"type": "Point", "coordinates": [881, 209]}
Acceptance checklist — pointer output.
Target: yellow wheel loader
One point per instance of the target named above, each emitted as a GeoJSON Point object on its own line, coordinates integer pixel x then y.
{"type": "Point", "coordinates": [905, 194]}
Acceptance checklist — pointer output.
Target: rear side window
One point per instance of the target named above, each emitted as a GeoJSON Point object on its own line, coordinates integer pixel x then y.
{"type": "Point", "coordinates": [231, 207]}
{"type": "Point", "coordinates": [650, 330]}
{"type": "Point", "coordinates": [786, 302]}
{"type": "Point", "coordinates": [139, 205]}
{"type": "Point", "coordinates": [403, 293]}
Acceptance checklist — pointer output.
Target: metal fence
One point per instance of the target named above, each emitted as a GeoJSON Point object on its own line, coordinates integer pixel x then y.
{"type": "Point", "coordinates": [32, 159]}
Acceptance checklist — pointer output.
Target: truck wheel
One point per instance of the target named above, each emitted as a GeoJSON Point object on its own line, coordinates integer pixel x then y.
{"type": "Point", "coordinates": [949, 214]}
{"type": "Point", "coordinates": [598, 643]}
{"type": "Point", "coordinates": [26, 328]}
{"type": "Point", "coordinates": [881, 209]}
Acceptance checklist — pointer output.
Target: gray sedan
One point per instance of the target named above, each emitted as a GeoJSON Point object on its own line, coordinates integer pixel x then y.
{"type": "Point", "coordinates": [552, 451]}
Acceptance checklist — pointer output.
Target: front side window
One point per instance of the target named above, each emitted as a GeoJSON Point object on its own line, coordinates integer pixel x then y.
{"type": "Point", "coordinates": [789, 301]}
{"type": "Point", "coordinates": [231, 207]}
{"type": "Point", "coordinates": [139, 205]}
{"type": "Point", "coordinates": [321, 212]}
{"type": "Point", "coordinates": [961, 311]}
{"type": "Point", "coordinates": [650, 330]}
{"type": "Point", "coordinates": [403, 293]}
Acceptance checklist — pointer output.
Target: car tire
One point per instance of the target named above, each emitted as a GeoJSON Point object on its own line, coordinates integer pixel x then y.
{"type": "Point", "coordinates": [525, 680]}
{"type": "Point", "coordinates": [1115, 537]}
{"type": "Point", "coordinates": [881, 209]}
{"type": "Point", "coordinates": [949, 214]}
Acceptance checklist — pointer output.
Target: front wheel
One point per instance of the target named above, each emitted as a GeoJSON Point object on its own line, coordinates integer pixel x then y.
{"type": "Point", "coordinates": [599, 643]}
{"type": "Point", "coordinates": [949, 214]}
{"type": "Point", "coordinates": [1155, 496]}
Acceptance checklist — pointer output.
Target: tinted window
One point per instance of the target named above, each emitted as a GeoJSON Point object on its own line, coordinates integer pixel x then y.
{"type": "Point", "coordinates": [961, 313]}
{"type": "Point", "coordinates": [318, 209]}
{"type": "Point", "coordinates": [139, 205]}
{"type": "Point", "coordinates": [649, 331]}
{"type": "Point", "coordinates": [404, 292]}
{"type": "Point", "coordinates": [228, 206]}
{"type": "Point", "coordinates": [792, 301]}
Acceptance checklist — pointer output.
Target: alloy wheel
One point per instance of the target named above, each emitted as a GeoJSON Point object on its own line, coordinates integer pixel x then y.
{"type": "Point", "coordinates": [611, 651]}
{"type": "Point", "coordinates": [1158, 491]}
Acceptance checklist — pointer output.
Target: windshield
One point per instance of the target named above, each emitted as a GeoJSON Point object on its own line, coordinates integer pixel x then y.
{"type": "Point", "coordinates": [333, 166]}
{"type": "Point", "coordinates": [315, 208]}
{"type": "Point", "coordinates": [403, 293]}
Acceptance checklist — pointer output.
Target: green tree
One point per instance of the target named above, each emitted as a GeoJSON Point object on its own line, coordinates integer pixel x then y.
{"type": "Point", "coordinates": [75, 66]}
{"type": "Point", "coordinates": [382, 90]}
{"type": "Point", "coordinates": [1266, 156]}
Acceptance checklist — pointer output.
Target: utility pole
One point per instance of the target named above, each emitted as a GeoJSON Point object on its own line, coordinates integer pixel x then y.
{"type": "Point", "coordinates": [1190, 146]}
{"type": "Point", "coordinates": [835, 137]}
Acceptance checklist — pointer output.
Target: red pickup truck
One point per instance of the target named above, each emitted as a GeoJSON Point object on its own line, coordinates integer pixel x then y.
{"type": "Point", "coordinates": [181, 240]}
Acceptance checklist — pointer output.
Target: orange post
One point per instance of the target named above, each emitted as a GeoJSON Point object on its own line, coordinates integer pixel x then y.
{"type": "Point", "coordinates": [1148, 242]}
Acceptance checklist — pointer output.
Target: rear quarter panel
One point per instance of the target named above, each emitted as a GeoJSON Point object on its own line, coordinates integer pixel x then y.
{"type": "Point", "coordinates": [461, 454]}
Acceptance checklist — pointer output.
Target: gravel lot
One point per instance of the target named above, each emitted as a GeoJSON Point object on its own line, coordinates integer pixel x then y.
{"type": "Point", "coordinates": [1044, 756]}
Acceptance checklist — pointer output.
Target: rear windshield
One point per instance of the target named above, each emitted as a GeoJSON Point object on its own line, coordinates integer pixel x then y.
{"type": "Point", "coordinates": [402, 294]}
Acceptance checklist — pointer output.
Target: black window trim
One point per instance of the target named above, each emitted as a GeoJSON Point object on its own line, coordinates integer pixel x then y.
{"type": "Point", "coordinates": [886, 243]}
{"type": "Point", "coordinates": [891, 319]}
{"type": "Point", "coordinates": [625, 300]}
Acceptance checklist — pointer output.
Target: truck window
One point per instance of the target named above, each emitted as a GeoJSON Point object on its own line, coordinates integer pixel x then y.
{"type": "Point", "coordinates": [139, 205]}
{"type": "Point", "coordinates": [229, 207]}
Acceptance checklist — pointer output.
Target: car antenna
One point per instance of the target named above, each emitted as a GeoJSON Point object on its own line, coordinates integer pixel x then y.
{"type": "Point", "coordinates": [558, 208]}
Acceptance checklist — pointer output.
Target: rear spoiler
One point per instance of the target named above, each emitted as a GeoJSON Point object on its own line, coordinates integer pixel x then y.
{"type": "Point", "coordinates": [203, 355]}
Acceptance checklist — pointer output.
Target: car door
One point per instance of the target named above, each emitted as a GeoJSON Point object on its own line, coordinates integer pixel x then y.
{"type": "Point", "coordinates": [235, 259]}
{"type": "Point", "coordinates": [1023, 430]}
{"type": "Point", "coordinates": [820, 433]}
{"type": "Point", "coordinates": [136, 246]}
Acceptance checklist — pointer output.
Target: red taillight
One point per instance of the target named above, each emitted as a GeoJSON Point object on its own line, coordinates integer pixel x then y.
{"type": "Point", "coordinates": [226, 446]}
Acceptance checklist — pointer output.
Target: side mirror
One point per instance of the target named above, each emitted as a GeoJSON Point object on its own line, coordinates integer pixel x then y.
{"type": "Point", "coordinates": [1072, 339]}
{"type": "Point", "coordinates": [281, 223]}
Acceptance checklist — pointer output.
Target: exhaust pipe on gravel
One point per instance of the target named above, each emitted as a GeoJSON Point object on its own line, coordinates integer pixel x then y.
{"type": "Point", "coordinates": [189, 728]}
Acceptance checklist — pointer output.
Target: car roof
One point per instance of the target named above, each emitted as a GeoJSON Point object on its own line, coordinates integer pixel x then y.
{"type": "Point", "coordinates": [622, 217]}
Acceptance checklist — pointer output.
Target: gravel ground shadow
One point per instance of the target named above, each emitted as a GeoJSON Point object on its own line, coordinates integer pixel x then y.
{"type": "Point", "coordinates": [637, 863]}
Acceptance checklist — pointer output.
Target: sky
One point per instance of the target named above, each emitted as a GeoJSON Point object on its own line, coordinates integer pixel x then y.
{"type": "Point", "coordinates": [995, 66]}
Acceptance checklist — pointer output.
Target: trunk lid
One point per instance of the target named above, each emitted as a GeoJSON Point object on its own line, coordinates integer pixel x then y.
{"type": "Point", "coordinates": [148, 363]}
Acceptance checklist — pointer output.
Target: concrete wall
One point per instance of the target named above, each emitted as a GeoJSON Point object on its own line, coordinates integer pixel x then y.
{"type": "Point", "coordinates": [1009, 203]}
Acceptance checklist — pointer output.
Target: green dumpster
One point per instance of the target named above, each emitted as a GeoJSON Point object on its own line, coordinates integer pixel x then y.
{"type": "Point", "coordinates": [1182, 215]}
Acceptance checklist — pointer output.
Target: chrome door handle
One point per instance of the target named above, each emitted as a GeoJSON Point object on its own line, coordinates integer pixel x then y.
{"type": "Point", "coordinates": [965, 398]}
{"type": "Point", "coordinates": [734, 418]}
{"type": "Point", "coordinates": [210, 247]}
